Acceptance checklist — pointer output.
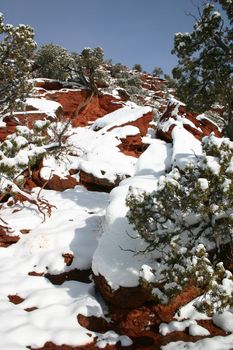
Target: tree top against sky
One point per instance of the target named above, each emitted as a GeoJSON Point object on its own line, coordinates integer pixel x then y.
{"type": "Point", "coordinates": [131, 31]}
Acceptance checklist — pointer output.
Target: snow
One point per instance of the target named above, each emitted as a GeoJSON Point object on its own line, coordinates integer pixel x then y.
{"type": "Point", "coordinates": [93, 228]}
{"type": "Point", "coordinates": [146, 273]}
{"type": "Point", "coordinates": [98, 151]}
{"type": "Point", "coordinates": [111, 338]}
{"type": "Point", "coordinates": [44, 106]}
{"type": "Point", "coordinates": [59, 167]}
{"type": "Point", "coordinates": [79, 215]}
{"type": "Point", "coordinates": [120, 117]}
{"type": "Point", "coordinates": [224, 321]}
{"type": "Point", "coordinates": [116, 240]}
{"type": "Point", "coordinates": [213, 165]}
{"type": "Point", "coordinates": [166, 328]}
{"type": "Point", "coordinates": [204, 117]}
{"type": "Point", "coordinates": [204, 185]}
{"type": "Point", "coordinates": [186, 148]}
{"type": "Point", "coordinates": [196, 330]}
{"type": "Point", "coordinates": [215, 343]}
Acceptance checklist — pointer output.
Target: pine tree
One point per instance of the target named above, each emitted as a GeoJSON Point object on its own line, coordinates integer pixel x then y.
{"type": "Point", "coordinates": [86, 68]}
{"type": "Point", "coordinates": [137, 67]}
{"type": "Point", "coordinates": [189, 213]}
{"type": "Point", "coordinates": [16, 49]}
{"type": "Point", "coordinates": [157, 71]}
{"type": "Point", "coordinates": [204, 73]}
{"type": "Point", "coordinates": [52, 61]}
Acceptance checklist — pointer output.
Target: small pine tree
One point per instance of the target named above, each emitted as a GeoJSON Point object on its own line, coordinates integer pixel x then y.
{"type": "Point", "coordinates": [137, 67]}
{"type": "Point", "coordinates": [52, 61]}
{"type": "Point", "coordinates": [16, 49]}
{"type": "Point", "coordinates": [190, 211]}
{"type": "Point", "coordinates": [119, 71]}
{"type": "Point", "coordinates": [205, 61]}
{"type": "Point", "coordinates": [20, 151]}
{"type": "Point", "coordinates": [157, 72]}
{"type": "Point", "coordinates": [86, 67]}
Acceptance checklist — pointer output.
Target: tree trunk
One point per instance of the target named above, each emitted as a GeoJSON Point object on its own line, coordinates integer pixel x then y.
{"type": "Point", "coordinates": [229, 126]}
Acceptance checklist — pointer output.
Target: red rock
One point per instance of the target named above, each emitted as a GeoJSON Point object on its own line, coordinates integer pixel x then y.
{"type": "Point", "coordinates": [151, 82]}
{"type": "Point", "coordinates": [68, 258]}
{"type": "Point", "coordinates": [201, 127]}
{"type": "Point", "coordinates": [5, 239]}
{"type": "Point", "coordinates": [55, 182]}
{"type": "Point", "coordinates": [165, 312]}
{"type": "Point", "coordinates": [9, 129]}
{"type": "Point", "coordinates": [15, 299]}
{"type": "Point", "coordinates": [93, 323]}
{"type": "Point", "coordinates": [25, 118]}
{"type": "Point", "coordinates": [91, 346]}
{"type": "Point", "coordinates": [123, 297]}
{"type": "Point", "coordinates": [93, 183]}
{"type": "Point", "coordinates": [25, 231]}
{"type": "Point", "coordinates": [214, 330]}
{"type": "Point", "coordinates": [34, 273]}
{"type": "Point", "coordinates": [73, 100]}
{"type": "Point", "coordinates": [30, 309]}
{"type": "Point", "coordinates": [49, 84]}
{"type": "Point", "coordinates": [73, 275]}
{"type": "Point", "coordinates": [61, 184]}
{"type": "Point", "coordinates": [132, 146]}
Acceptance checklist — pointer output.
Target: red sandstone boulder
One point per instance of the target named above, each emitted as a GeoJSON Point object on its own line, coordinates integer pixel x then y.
{"type": "Point", "coordinates": [133, 145]}
{"type": "Point", "coordinates": [6, 237]}
{"type": "Point", "coordinates": [93, 183]}
{"type": "Point", "coordinates": [45, 84]}
{"type": "Point", "coordinates": [48, 84]}
{"type": "Point", "coordinates": [81, 107]}
{"type": "Point", "coordinates": [35, 109]}
{"type": "Point", "coordinates": [55, 182]}
{"type": "Point", "coordinates": [123, 297]}
{"type": "Point", "coordinates": [176, 114]}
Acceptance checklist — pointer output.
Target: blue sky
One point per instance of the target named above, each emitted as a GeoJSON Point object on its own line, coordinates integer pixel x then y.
{"type": "Point", "coordinates": [129, 31]}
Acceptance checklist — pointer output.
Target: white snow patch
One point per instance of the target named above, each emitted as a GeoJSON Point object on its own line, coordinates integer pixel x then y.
{"type": "Point", "coordinates": [73, 227]}
{"type": "Point", "coordinates": [120, 117]}
{"type": "Point", "coordinates": [44, 106]}
{"type": "Point", "coordinates": [196, 330]}
{"type": "Point", "coordinates": [224, 321]}
{"type": "Point", "coordinates": [111, 338]}
{"type": "Point", "coordinates": [166, 328]}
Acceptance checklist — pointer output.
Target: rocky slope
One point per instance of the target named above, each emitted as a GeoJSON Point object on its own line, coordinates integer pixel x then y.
{"type": "Point", "coordinates": [63, 262]}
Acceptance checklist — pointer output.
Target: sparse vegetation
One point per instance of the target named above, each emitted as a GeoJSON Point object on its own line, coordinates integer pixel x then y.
{"type": "Point", "coordinates": [189, 213]}
{"type": "Point", "coordinates": [52, 61]}
{"type": "Point", "coordinates": [205, 66]}
{"type": "Point", "coordinates": [16, 49]}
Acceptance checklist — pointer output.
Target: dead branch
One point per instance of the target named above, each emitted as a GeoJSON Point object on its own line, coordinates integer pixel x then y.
{"type": "Point", "coordinates": [83, 105]}
{"type": "Point", "coordinates": [43, 206]}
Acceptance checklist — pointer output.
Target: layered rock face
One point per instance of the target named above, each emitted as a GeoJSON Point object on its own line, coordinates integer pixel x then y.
{"type": "Point", "coordinates": [131, 307]}
{"type": "Point", "coordinates": [81, 107]}
{"type": "Point", "coordinates": [175, 113]}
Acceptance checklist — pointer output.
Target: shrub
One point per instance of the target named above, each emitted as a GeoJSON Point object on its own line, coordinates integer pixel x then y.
{"type": "Point", "coordinates": [16, 49]}
{"type": "Point", "coordinates": [190, 213]}
{"type": "Point", "coordinates": [137, 67]}
{"type": "Point", "coordinates": [204, 70]}
{"type": "Point", "coordinates": [86, 67]}
{"type": "Point", "coordinates": [157, 72]}
{"type": "Point", "coordinates": [20, 151]}
{"type": "Point", "coordinates": [52, 61]}
{"type": "Point", "coordinates": [118, 70]}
